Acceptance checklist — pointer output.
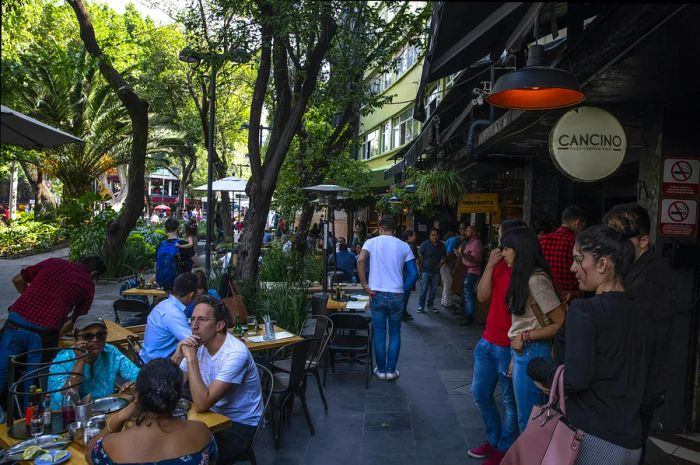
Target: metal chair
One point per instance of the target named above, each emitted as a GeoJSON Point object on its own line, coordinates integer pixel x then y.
{"type": "Point", "coordinates": [287, 386]}
{"type": "Point", "coordinates": [137, 307]}
{"type": "Point", "coordinates": [352, 337]}
{"type": "Point", "coordinates": [318, 329]}
{"type": "Point", "coordinates": [267, 383]}
{"type": "Point", "coordinates": [133, 347]}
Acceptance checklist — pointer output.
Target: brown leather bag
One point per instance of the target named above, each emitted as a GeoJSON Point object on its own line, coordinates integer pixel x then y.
{"type": "Point", "coordinates": [235, 305]}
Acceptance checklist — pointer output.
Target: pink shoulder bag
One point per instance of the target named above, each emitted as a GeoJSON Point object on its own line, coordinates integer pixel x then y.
{"type": "Point", "coordinates": [548, 439]}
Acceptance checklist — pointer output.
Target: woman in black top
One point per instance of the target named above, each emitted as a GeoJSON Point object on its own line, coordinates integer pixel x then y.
{"type": "Point", "coordinates": [604, 352]}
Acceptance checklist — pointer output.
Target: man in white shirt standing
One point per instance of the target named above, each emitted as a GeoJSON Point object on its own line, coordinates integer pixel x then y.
{"type": "Point", "coordinates": [222, 377]}
{"type": "Point", "coordinates": [387, 257]}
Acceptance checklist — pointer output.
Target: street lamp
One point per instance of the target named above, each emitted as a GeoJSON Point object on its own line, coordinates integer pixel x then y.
{"type": "Point", "coordinates": [216, 60]}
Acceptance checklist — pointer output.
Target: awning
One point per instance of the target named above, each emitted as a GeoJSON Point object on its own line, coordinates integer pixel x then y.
{"type": "Point", "coordinates": [21, 130]}
{"type": "Point", "coordinates": [483, 29]}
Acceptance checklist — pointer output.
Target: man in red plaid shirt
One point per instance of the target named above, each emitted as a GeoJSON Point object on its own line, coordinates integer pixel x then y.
{"type": "Point", "coordinates": [49, 291]}
{"type": "Point", "coordinates": [557, 248]}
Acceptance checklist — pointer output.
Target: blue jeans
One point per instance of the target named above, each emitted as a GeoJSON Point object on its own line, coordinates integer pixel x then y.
{"type": "Point", "coordinates": [490, 368]}
{"type": "Point", "coordinates": [527, 395]}
{"type": "Point", "coordinates": [15, 341]}
{"type": "Point", "coordinates": [387, 307]}
{"type": "Point", "coordinates": [428, 285]}
{"type": "Point", "coordinates": [470, 281]}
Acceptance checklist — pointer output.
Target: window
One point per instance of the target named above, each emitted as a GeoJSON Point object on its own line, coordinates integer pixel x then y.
{"type": "Point", "coordinates": [405, 128]}
{"type": "Point", "coordinates": [432, 99]}
{"type": "Point", "coordinates": [369, 146]}
{"type": "Point", "coordinates": [452, 78]}
{"type": "Point", "coordinates": [386, 137]}
{"type": "Point", "coordinates": [375, 87]}
{"type": "Point", "coordinates": [388, 80]}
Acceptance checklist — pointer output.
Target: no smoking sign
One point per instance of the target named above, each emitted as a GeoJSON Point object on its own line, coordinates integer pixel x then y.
{"type": "Point", "coordinates": [681, 176]}
{"type": "Point", "coordinates": [678, 217]}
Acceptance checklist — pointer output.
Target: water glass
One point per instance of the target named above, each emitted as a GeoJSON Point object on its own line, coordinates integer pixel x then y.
{"type": "Point", "coordinates": [37, 426]}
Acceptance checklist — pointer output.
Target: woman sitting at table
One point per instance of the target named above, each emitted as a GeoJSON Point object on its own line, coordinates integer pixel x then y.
{"type": "Point", "coordinates": [156, 435]}
{"type": "Point", "coordinates": [101, 367]}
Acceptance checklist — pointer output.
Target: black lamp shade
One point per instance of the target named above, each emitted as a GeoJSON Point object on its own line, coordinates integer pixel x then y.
{"type": "Point", "coordinates": [536, 88]}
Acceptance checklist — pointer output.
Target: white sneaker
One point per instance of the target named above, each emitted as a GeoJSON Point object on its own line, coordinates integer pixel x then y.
{"type": "Point", "coordinates": [379, 375]}
{"type": "Point", "coordinates": [392, 376]}
{"type": "Point", "coordinates": [420, 310]}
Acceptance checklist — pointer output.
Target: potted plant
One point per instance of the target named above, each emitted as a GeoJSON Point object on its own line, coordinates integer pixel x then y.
{"type": "Point", "coordinates": [441, 187]}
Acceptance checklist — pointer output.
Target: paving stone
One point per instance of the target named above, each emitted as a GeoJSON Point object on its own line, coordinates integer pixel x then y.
{"type": "Point", "coordinates": [388, 422]}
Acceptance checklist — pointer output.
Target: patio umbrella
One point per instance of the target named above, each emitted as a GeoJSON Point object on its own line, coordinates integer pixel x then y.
{"type": "Point", "coordinates": [162, 207]}
{"type": "Point", "coordinates": [228, 184]}
{"type": "Point", "coordinates": [23, 131]}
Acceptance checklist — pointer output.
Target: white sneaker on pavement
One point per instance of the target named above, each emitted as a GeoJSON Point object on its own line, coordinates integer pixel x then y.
{"type": "Point", "coordinates": [392, 376]}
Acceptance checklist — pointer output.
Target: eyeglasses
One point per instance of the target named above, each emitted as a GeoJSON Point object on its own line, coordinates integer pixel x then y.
{"type": "Point", "coordinates": [196, 319]}
{"type": "Point", "coordinates": [99, 336]}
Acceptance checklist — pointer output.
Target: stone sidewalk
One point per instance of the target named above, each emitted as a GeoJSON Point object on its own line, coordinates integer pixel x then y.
{"type": "Point", "coordinates": [427, 416]}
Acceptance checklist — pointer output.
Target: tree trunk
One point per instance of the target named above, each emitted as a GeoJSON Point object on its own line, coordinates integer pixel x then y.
{"type": "Point", "coordinates": [290, 108]}
{"type": "Point", "coordinates": [118, 230]}
{"type": "Point", "coordinates": [307, 213]}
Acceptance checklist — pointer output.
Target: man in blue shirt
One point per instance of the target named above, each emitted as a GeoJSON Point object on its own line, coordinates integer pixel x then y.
{"type": "Point", "coordinates": [346, 261]}
{"type": "Point", "coordinates": [167, 324]}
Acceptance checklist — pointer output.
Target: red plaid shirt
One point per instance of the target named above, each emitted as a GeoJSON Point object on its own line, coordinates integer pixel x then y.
{"type": "Point", "coordinates": [56, 287]}
{"type": "Point", "coordinates": [557, 248]}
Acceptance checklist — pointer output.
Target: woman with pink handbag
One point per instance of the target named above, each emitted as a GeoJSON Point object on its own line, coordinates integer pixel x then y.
{"type": "Point", "coordinates": [605, 356]}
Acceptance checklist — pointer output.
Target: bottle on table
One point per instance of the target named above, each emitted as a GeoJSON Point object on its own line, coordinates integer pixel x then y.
{"type": "Point", "coordinates": [36, 426]}
{"type": "Point", "coordinates": [47, 411]}
{"type": "Point", "coordinates": [31, 406]}
{"type": "Point", "coordinates": [238, 329]}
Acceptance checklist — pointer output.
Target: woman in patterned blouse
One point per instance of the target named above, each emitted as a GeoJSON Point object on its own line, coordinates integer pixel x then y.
{"type": "Point", "coordinates": [157, 436]}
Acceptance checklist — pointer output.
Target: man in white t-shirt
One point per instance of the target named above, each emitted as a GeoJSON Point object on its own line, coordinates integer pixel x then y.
{"type": "Point", "coordinates": [387, 257]}
{"type": "Point", "coordinates": [222, 376]}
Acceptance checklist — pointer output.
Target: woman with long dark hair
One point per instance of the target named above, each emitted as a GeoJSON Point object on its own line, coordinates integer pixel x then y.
{"type": "Point", "coordinates": [605, 353]}
{"type": "Point", "coordinates": [537, 314]}
{"type": "Point", "coordinates": [157, 436]}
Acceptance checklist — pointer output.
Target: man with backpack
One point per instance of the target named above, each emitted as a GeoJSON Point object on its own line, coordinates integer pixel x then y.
{"type": "Point", "coordinates": [169, 262]}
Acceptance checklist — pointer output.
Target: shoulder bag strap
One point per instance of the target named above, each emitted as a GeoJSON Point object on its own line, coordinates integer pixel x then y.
{"type": "Point", "coordinates": [557, 390]}
{"type": "Point", "coordinates": [537, 311]}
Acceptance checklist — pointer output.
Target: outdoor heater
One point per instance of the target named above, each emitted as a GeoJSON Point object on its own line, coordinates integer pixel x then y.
{"type": "Point", "coordinates": [328, 196]}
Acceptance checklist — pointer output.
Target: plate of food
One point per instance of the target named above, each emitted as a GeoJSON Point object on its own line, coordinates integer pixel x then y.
{"type": "Point", "coordinates": [26, 450]}
{"type": "Point", "coordinates": [109, 405]}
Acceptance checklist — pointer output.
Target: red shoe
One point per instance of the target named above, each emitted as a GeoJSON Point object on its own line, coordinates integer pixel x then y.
{"type": "Point", "coordinates": [482, 451]}
{"type": "Point", "coordinates": [494, 458]}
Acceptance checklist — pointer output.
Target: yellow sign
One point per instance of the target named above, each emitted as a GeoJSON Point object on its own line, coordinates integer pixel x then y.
{"type": "Point", "coordinates": [478, 203]}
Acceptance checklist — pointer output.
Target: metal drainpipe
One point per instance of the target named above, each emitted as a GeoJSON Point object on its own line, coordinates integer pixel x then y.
{"type": "Point", "coordinates": [470, 136]}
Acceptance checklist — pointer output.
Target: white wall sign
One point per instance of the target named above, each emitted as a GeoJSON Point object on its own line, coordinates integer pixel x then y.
{"type": "Point", "coordinates": [681, 176]}
{"type": "Point", "coordinates": [588, 144]}
{"type": "Point", "coordinates": [679, 217]}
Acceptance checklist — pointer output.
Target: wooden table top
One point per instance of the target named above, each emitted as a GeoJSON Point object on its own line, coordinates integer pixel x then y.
{"type": "Point", "coordinates": [273, 344]}
{"type": "Point", "coordinates": [316, 287]}
{"type": "Point", "coordinates": [214, 421]}
{"type": "Point", "coordinates": [145, 292]}
{"type": "Point", "coordinates": [341, 305]}
{"type": "Point", "coordinates": [115, 335]}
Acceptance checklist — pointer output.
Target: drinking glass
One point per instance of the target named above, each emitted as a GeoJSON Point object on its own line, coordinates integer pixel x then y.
{"type": "Point", "coordinates": [37, 426]}
{"type": "Point", "coordinates": [252, 324]}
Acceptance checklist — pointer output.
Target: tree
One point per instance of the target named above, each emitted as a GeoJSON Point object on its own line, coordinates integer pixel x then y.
{"type": "Point", "coordinates": [365, 47]}
{"type": "Point", "coordinates": [137, 109]}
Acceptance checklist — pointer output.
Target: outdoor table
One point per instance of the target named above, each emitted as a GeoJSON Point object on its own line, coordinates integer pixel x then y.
{"type": "Point", "coordinates": [214, 421]}
{"type": "Point", "coordinates": [336, 305]}
{"type": "Point", "coordinates": [351, 287]}
{"type": "Point", "coordinates": [273, 343]}
{"type": "Point", "coordinates": [145, 292]}
{"type": "Point", "coordinates": [115, 335]}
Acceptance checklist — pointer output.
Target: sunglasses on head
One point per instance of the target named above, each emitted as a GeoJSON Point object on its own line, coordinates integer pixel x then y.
{"type": "Point", "coordinates": [100, 336]}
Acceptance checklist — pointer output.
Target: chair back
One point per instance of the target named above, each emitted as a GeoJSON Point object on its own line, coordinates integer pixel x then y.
{"type": "Point", "coordinates": [300, 352]}
{"type": "Point", "coordinates": [133, 347]}
{"type": "Point", "coordinates": [318, 329]}
{"type": "Point", "coordinates": [349, 321]}
{"type": "Point", "coordinates": [129, 306]}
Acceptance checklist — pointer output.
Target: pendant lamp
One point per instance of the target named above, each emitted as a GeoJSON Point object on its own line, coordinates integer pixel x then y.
{"type": "Point", "coordinates": [536, 86]}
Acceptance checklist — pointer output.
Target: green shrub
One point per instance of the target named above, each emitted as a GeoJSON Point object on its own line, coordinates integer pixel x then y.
{"type": "Point", "coordinates": [28, 235]}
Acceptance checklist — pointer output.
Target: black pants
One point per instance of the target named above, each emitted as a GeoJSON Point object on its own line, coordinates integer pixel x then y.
{"type": "Point", "coordinates": [234, 441]}
{"type": "Point", "coordinates": [646, 415]}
